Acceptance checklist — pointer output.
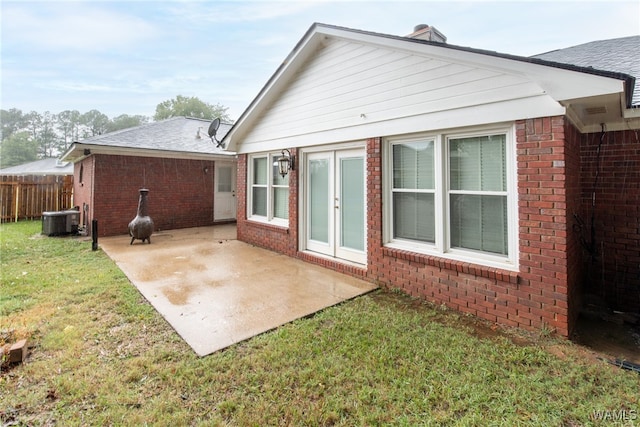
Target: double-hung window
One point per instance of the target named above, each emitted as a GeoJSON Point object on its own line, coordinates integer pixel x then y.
{"type": "Point", "coordinates": [451, 195]}
{"type": "Point", "coordinates": [268, 199]}
{"type": "Point", "coordinates": [478, 217]}
{"type": "Point", "coordinates": [414, 191]}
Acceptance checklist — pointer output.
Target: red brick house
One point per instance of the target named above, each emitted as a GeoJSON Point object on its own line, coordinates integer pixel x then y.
{"type": "Point", "coordinates": [191, 180]}
{"type": "Point", "coordinates": [461, 176]}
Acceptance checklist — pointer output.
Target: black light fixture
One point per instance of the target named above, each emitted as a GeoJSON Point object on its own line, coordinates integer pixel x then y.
{"type": "Point", "coordinates": [286, 163]}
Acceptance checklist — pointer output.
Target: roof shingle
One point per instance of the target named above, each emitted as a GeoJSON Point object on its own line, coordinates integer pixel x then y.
{"type": "Point", "coordinates": [621, 55]}
{"type": "Point", "coordinates": [180, 134]}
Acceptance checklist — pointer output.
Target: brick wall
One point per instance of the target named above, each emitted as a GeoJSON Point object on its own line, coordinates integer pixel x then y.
{"type": "Point", "coordinates": [573, 188]}
{"type": "Point", "coordinates": [613, 265]}
{"type": "Point", "coordinates": [180, 191]}
{"type": "Point", "coordinates": [275, 238]}
{"type": "Point", "coordinates": [536, 297]}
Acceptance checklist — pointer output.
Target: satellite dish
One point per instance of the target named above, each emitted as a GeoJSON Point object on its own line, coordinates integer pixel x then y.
{"type": "Point", "coordinates": [213, 129]}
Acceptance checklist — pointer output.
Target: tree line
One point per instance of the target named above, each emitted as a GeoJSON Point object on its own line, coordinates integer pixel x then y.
{"type": "Point", "coordinates": [31, 136]}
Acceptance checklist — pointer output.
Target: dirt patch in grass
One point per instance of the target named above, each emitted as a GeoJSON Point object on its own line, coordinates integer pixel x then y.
{"type": "Point", "coordinates": [598, 336]}
{"type": "Point", "coordinates": [608, 338]}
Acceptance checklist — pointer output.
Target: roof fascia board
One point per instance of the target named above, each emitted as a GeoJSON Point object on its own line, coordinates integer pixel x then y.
{"type": "Point", "coordinates": [139, 152]}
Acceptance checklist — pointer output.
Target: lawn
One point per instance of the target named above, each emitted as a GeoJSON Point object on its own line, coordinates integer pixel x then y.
{"type": "Point", "coordinates": [101, 355]}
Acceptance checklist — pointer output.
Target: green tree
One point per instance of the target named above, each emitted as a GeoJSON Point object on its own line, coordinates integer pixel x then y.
{"type": "Point", "coordinates": [33, 122]}
{"type": "Point", "coordinates": [12, 121]}
{"type": "Point", "coordinates": [69, 128]}
{"type": "Point", "coordinates": [125, 121]}
{"type": "Point", "coordinates": [47, 137]}
{"type": "Point", "coordinates": [190, 107]}
{"type": "Point", "coordinates": [17, 149]}
{"type": "Point", "coordinates": [96, 123]}
{"type": "Point", "coordinates": [41, 128]}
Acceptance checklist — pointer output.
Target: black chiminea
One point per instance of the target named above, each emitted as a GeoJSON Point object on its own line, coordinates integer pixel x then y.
{"type": "Point", "coordinates": [141, 227]}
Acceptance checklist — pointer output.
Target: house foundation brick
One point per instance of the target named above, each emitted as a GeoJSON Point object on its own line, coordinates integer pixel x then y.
{"type": "Point", "coordinates": [180, 196]}
{"type": "Point", "coordinates": [555, 168]}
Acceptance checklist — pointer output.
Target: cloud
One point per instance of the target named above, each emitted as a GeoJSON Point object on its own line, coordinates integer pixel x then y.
{"type": "Point", "coordinates": [127, 56]}
{"type": "Point", "coordinates": [71, 26]}
{"type": "Point", "coordinates": [74, 86]}
{"type": "Point", "coordinates": [216, 13]}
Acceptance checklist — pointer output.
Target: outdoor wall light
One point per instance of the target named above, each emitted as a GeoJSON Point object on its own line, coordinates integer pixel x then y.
{"type": "Point", "coordinates": [286, 163]}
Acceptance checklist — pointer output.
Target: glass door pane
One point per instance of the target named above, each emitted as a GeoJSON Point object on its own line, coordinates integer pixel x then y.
{"type": "Point", "coordinates": [319, 200]}
{"type": "Point", "coordinates": [352, 203]}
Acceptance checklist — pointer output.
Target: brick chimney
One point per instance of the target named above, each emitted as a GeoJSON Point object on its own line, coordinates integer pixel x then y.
{"type": "Point", "coordinates": [425, 32]}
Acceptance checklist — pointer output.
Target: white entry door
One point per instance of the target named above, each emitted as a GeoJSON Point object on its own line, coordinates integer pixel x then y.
{"type": "Point", "coordinates": [224, 198]}
{"type": "Point", "coordinates": [335, 223]}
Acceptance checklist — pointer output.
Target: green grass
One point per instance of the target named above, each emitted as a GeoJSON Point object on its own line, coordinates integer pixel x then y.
{"type": "Point", "coordinates": [103, 356]}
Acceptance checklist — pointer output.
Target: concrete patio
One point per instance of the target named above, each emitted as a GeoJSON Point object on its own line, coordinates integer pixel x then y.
{"type": "Point", "coordinates": [216, 291]}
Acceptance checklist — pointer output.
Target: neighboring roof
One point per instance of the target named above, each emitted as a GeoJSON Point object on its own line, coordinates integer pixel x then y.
{"type": "Point", "coordinates": [178, 137]}
{"type": "Point", "coordinates": [621, 55]}
{"type": "Point", "coordinates": [48, 166]}
{"type": "Point", "coordinates": [588, 96]}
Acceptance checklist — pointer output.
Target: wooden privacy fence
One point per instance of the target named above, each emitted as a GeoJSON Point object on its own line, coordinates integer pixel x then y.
{"type": "Point", "coordinates": [26, 197]}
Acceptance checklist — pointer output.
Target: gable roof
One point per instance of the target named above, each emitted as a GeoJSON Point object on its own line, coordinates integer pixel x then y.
{"type": "Point", "coordinates": [49, 166]}
{"type": "Point", "coordinates": [619, 55]}
{"type": "Point", "coordinates": [176, 137]}
{"type": "Point", "coordinates": [545, 88]}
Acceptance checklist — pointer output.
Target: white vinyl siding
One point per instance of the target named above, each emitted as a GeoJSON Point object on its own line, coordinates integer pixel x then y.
{"type": "Point", "coordinates": [268, 199]}
{"type": "Point", "coordinates": [348, 86]}
{"type": "Point", "coordinates": [451, 195]}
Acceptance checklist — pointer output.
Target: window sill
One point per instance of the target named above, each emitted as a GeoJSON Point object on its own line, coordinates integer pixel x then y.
{"type": "Point", "coordinates": [279, 227]}
{"type": "Point", "coordinates": [494, 273]}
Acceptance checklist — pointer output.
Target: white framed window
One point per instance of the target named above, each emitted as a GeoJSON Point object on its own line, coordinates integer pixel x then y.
{"type": "Point", "coordinates": [453, 195]}
{"type": "Point", "coordinates": [268, 192]}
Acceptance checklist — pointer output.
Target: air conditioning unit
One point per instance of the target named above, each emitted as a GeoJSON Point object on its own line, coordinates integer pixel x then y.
{"type": "Point", "coordinates": [60, 222]}
{"type": "Point", "coordinates": [73, 221]}
{"type": "Point", "coordinates": [54, 223]}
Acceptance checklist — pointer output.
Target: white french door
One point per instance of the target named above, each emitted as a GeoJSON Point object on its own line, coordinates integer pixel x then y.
{"type": "Point", "coordinates": [335, 223]}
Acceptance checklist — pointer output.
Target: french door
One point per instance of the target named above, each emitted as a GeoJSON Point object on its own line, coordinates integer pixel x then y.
{"type": "Point", "coordinates": [335, 205]}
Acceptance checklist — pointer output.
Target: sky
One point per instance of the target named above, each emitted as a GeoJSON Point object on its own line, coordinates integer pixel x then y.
{"type": "Point", "coordinates": [127, 57]}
